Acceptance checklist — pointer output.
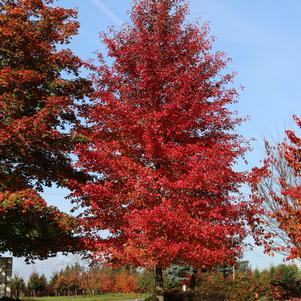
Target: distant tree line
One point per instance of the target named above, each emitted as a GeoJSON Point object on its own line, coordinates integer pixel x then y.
{"type": "Point", "coordinates": [278, 283]}
{"type": "Point", "coordinates": [77, 280]}
{"type": "Point", "coordinates": [231, 283]}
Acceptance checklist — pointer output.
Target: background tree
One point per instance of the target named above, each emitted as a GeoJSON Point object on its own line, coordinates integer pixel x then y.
{"type": "Point", "coordinates": [125, 283]}
{"type": "Point", "coordinates": [68, 281]}
{"type": "Point", "coordinates": [105, 280]}
{"type": "Point", "coordinates": [177, 275]}
{"type": "Point", "coordinates": [37, 117]}
{"type": "Point", "coordinates": [145, 281]}
{"type": "Point", "coordinates": [60, 284]}
{"type": "Point", "coordinates": [53, 283]}
{"type": "Point", "coordinates": [162, 147]}
{"type": "Point", "coordinates": [37, 283]}
{"type": "Point", "coordinates": [18, 286]}
{"type": "Point", "coordinates": [279, 219]}
{"type": "Point", "coordinates": [72, 275]}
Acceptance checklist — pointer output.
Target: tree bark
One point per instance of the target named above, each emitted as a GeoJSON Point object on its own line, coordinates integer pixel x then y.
{"type": "Point", "coordinates": [159, 283]}
{"type": "Point", "coordinates": [193, 280]}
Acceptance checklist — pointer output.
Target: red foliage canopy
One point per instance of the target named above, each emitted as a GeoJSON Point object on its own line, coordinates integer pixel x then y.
{"type": "Point", "coordinates": [279, 195]}
{"type": "Point", "coordinates": [162, 146]}
{"type": "Point", "coordinates": [37, 114]}
{"type": "Point", "coordinates": [36, 102]}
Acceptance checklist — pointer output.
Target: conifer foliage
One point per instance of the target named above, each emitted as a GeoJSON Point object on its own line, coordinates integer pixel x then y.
{"type": "Point", "coordinates": [162, 146]}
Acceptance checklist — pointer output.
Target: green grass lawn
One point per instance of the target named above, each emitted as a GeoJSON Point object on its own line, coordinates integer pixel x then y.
{"type": "Point", "coordinates": [105, 297]}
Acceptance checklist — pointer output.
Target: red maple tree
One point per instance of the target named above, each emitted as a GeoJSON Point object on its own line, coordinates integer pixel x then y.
{"type": "Point", "coordinates": [37, 115]}
{"type": "Point", "coordinates": [278, 195]}
{"type": "Point", "coordinates": [162, 147]}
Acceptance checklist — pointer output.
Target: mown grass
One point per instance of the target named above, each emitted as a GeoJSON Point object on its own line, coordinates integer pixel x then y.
{"type": "Point", "coordinates": [105, 297]}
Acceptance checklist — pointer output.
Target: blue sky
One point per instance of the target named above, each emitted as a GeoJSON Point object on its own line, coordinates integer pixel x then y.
{"type": "Point", "coordinates": [263, 37]}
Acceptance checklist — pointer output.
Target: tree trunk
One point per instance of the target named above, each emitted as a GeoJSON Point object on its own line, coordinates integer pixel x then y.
{"type": "Point", "coordinates": [193, 280]}
{"type": "Point", "coordinates": [159, 283]}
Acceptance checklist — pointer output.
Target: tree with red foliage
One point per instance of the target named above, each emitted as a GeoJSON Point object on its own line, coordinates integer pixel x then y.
{"type": "Point", "coordinates": [37, 116]}
{"type": "Point", "coordinates": [125, 282]}
{"type": "Point", "coordinates": [97, 280]}
{"type": "Point", "coordinates": [162, 147]}
{"type": "Point", "coordinates": [279, 195]}
{"type": "Point", "coordinates": [105, 280]}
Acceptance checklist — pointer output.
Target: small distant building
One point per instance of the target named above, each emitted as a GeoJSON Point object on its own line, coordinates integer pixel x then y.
{"type": "Point", "coordinates": [6, 271]}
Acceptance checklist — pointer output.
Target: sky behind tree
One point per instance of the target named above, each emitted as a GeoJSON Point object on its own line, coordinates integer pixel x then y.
{"type": "Point", "coordinates": [263, 38]}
